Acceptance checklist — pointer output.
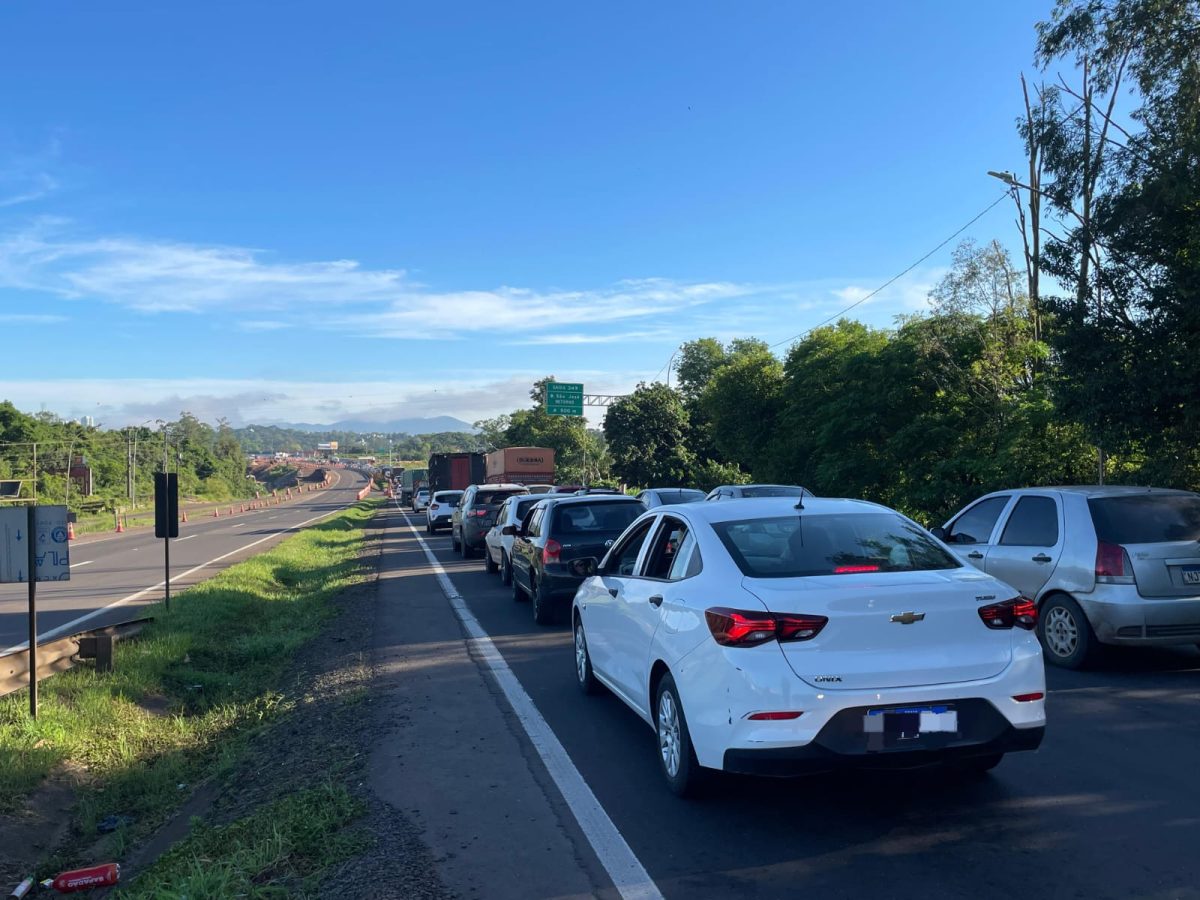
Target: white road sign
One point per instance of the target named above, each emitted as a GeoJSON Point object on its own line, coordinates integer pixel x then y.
{"type": "Point", "coordinates": [51, 549]}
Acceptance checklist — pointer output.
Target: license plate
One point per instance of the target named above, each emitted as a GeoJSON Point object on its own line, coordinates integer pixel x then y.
{"type": "Point", "coordinates": [1191, 574]}
{"type": "Point", "coordinates": [910, 722]}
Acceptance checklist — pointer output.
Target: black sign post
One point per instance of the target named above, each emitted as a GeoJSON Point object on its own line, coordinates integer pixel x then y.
{"type": "Point", "coordinates": [31, 540]}
{"type": "Point", "coordinates": [166, 521]}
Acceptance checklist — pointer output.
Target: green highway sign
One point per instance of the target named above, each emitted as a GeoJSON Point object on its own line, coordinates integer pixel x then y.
{"type": "Point", "coordinates": [563, 399]}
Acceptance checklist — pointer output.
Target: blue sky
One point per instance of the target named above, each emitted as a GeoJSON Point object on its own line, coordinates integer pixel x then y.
{"type": "Point", "coordinates": [301, 212]}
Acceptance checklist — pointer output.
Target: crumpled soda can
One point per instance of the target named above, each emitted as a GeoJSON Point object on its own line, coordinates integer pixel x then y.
{"type": "Point", "coordinates": [85, 879]}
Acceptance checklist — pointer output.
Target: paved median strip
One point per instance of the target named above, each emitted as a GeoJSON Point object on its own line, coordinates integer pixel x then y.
{"type": "Point", "coordinates": [628, 874]}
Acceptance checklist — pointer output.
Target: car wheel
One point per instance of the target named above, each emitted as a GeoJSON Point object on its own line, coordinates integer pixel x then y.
{"type": "Point", "coordinates": [489, 564]}
{"type": "Point", "coordinates": [543, 609]}
{"type": "Point", "coordinates": [1066, 635]}
{"type": "Point", "coordinates": [428, 528]}
{"type": "Point", "coordinates": [505, 569]}
{"type": "Point", "coordinates": [453, 540]}
{"type": "Point", "coordinates": [675, 754]}
{"type": "Point", "coordinates": [583, 662]}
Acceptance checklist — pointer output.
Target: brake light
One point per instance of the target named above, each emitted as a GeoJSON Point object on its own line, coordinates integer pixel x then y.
{"type": "Point", "coordinates": [1019, 612]}
{"type": "Point", "coordinates": [742, 628]}
{"type": "Point", "coordinates": [478, 512]}
{"type": "Point", "coordinates": [551, 551]}
{"type": "Point", "coordinates": [434, 506]}
{"type": "Point", "coordinates": [1112, 564]}
{"type": "Point", "coordinates": [776, 716]}
{"type": "Point", "coordinates": [852, 570]}
{"type": "Point", "coordinates": [1028, 698]}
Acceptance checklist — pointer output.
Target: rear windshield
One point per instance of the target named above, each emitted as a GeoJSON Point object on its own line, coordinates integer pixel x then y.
{"type": "Point", "coordinates": [448, 496]}
{"type": "Point", "coordinates": [1146, 518]}
{"type": "Point", "coordinates": [595, 518]}
{"type": "Point", "coordinates": [774, 490]}
{"type": "Point", "coordinates": [796, 546]}
{"type": "Point", "coordinates": [493, 498]}
{"type": "Point", "coordinates": [680, 496]}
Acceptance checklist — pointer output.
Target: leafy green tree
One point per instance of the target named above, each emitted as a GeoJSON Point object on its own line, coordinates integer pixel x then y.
{"type": "Point", "coordinates": [646, 432]}
{"type": "Point", "coordinates": [743, 400]}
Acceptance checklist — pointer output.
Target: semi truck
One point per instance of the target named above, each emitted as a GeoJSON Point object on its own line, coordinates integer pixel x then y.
{"type": "Point", "coordinates": [456, 471]}
{"type": "Point", "coordinates": [411, 481]}
{"type": "Point", "coordinates": [521, 465]}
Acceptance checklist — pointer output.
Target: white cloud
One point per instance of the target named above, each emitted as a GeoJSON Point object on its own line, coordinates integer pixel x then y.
{"type": "Point", "coordinates": [262, 325]}
{"type": "Point", "coordinates": [31, 318]}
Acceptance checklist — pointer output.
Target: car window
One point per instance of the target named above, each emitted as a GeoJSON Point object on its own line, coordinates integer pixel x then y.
{"type": "Point", "coordinates": [595, 519]}
{"type": "Point", "coordinates": [490, 498]}
{"type": "Point", "coordinates": [680, 495]}
{"type": "Point", "coordinates": [805, 545]}
{"type": "Point", "coordinates": [502, 512]}
{"type": "Point", "coordinates": [1033, 523]}
{"type": "Point", "coordinates": [623, 557]}
{"type": "Point", "coordinates": [976, 524]}
{"type": "Point", "coordinates": [1146, 518]}
{"type": "Point", "coordinates": [523, 506]}
{"type": "Point", "coordinates": [773, 490]}
{"type": "Point", "coordinates": [533, 522]}
{"type": "Point", "coordinates": [668, 540]}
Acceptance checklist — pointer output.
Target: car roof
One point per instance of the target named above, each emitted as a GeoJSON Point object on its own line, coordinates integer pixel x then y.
{"type": "Point", "coordinates": [771, 507]}
{"type": "Point", "coordinates": [1097, 490]}
{"type": "Point", "coordinates": [507, 486]}
{"type": "Point", "coordinates": [572, 499]}
{"type": "Point", "coordinates": [448, 491]}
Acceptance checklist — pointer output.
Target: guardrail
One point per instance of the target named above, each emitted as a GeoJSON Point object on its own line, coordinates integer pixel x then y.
{"type": "Point", "coordinates": [60, 654]}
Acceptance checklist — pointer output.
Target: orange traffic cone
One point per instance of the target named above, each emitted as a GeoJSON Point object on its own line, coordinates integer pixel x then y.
{"type": "Point", "coordinates": [231, 510]}
{"type": "Point", "coordinates": [185, 515]}
{"type": "Point", "coordinates": [243, 508]}
{"type": "Point", "coordinates": [70, 531]}
{"type": "Point", "coordinates": [120, 525]}
{"type": "Point", "coordinates": [216, 513]}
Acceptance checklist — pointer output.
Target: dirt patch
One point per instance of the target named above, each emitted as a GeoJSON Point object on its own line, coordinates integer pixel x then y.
{"type": "Point", "coordinates": [38, 828]}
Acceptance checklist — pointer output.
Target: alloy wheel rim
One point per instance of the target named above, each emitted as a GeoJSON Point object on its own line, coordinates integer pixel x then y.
{"type": "Point", "coordinates": [668, 733]}
{"type": "Point", "coordinates": [1062, 634]}
{"type": "Point", "coordinates": [580, 654]}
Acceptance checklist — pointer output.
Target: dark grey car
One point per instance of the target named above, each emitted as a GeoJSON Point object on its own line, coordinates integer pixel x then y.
{"type": "Point", "coordinates": [476, 514]}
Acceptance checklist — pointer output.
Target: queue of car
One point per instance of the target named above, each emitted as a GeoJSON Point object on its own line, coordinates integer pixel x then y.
{"type": "Point", "coordinates": [760, 629]}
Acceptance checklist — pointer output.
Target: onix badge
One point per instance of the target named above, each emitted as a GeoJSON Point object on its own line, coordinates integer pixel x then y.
{"type": "Point", "coordinates": [908, 618]}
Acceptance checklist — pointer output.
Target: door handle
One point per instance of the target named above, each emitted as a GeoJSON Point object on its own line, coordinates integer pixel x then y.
{"type": "Point", "coordinates": [614, 591]}
{"type": "Point", "coordinates": [1041, 558]}
{"type": "Point", "coordinates": [656, 600]}
{"type": "Point", "coordinates": [974, 554]}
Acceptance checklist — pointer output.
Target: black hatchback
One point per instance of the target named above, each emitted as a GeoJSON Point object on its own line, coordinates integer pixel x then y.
{"type": "Point", "coordinates": [556, 531]}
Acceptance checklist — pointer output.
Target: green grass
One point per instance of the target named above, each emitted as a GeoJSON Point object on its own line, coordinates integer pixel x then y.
{"type": "Point", "coordinates": [187, 693]}
{"type": "Point", "coordinates": [280, 850]}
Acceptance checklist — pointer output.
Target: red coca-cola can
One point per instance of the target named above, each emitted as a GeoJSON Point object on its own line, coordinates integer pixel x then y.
{"type": "Point", "coordinates": [85, 879]}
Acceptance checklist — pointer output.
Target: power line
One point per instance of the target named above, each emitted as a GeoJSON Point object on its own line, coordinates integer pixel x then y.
{"type": "Point", "coordinates": [895, 278]}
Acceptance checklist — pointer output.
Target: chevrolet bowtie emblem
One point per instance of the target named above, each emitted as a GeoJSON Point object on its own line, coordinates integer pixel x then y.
{"type": "Point", "coordinates": [908, 618]}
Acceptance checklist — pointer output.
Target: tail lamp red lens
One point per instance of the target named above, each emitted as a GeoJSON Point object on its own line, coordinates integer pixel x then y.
{"type": "Point", "coordinates": [1019, 612]}
{"type": "Point", "coordinates": [550, 553]}
{"type": "Point", "coordinates": [1112, 564]}
{"type": "Point", "coordinates": [853, 570]}
{"type": "Point", "coordinates": [781, 716]}
{"type": "Point", "coordinates": [1028, 698]}
{"type": "Point", "coordinates": [478, 512]}
{"type": "Point", "coordinates": [748, 628]}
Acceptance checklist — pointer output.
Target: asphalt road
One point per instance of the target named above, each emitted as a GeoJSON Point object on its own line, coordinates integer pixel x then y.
{"type": "Point", "coordinates": [117, 568]}
{"type": "Point", "coordinates": [1108, 807]}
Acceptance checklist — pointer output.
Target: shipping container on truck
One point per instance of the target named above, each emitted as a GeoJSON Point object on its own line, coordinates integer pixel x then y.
{"type": "Point", "coordinates": [456, 471]}
{"type": "Point", "coordinates": [521, 465]}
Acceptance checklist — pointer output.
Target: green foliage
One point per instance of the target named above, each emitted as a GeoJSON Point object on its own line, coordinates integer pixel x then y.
{"type": "Point", "coordinates": [742, 400]}
{"type": "Point", "coordinates": [646, 434]}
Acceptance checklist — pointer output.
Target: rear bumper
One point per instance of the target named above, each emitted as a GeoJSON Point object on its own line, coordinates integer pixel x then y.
{"type": "Point", "coordinates": [439, 521]}
{"type": "Point", "coordinates": [842, 743]}
{"type": "Point", "coordinates": [560, 585]}
{"type": "Point", "coordinates": [1120, 615]}
{"type": "Point", "coordinates": [474, 535]}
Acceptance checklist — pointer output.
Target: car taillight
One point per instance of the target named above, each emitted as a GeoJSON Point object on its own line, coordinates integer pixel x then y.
{"type": "Point", "coordinates": [1020, 612]}
{"type": "Point", "coordinates": [551, 551]}
{"type": "Point", "coordinates": [478, 512]}
{"type": "Point", "coordinates": [433, 506]}
{"type": "Point", "coordinates": [743, 628]}
{"type": "Point", "coordinates": [1112, 564]}
{"type": "Point", "coordinates": [853, 570]}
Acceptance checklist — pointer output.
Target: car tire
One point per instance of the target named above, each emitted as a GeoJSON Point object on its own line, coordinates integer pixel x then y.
{"type": "Point", "coordinates": [428, 528]}
{"type": "Point", "coordinates": [489, 564]}
{"type": "Point", "coordinates": [453, 540]}
{"type": "Point", "coordinates": [584, 676]}
{"type": "Point", "coordinates": [464, 549]}
{"type": "Point", "coordinates": [676, 757]}
{"type": "Point", "coordinates": [505, 569]}
{"type": "Point", "coordinates": [543, 608]}
{"type": "Point", "coordinates": [1065, 633]}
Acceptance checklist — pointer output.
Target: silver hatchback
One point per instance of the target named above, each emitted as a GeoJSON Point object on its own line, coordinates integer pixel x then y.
{"type": "Point", "coordinates": [1106, 565]}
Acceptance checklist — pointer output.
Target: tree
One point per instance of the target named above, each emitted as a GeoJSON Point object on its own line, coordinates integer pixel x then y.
{"type": "Point", "coordinates": [743, 400]}
{"type": "Point", "coordinates": [646, 434]}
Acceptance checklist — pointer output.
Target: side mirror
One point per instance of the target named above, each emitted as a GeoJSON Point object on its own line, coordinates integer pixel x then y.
{"type": "Point", "coordinates": [509, 530]}
{"type": "Point", "coordinates": [585, 566]}
{"type": "Point", "coordinates": [938, 532]}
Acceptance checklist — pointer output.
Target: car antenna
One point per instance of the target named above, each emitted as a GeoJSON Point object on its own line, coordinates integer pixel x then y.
{"type": "Point", "coordinates": [800, 503]}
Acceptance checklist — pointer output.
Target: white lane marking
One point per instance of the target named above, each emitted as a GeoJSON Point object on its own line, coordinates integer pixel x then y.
{"type": "Point", "coordinates": [628, 874]}
{"type": "Point", "coordinates": [188, 538]}
{"type": "Point", "coordinates": [70, 627]}
{"type": "Point", "coordinates": [237, 524]}
{"type": "Point", "coordinates": [269, 518]}
{"type": "Point", "coordinates": [86, 562]}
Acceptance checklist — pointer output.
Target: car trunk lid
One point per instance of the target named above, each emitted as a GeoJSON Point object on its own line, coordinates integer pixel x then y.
{"type": "Point", "coordinates": [890, 629]}
{"type": "Point", "coordinates": [1160, 532]}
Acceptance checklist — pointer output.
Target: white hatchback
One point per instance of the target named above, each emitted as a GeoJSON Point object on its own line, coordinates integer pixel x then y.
{"type": "Point", "coordinates": [497, 549]}
{"type": "Point", "coordinates": [778, 637]}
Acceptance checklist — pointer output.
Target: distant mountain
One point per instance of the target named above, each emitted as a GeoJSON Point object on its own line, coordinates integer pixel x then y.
{"type": "Point", "coordinates": [431, 425]}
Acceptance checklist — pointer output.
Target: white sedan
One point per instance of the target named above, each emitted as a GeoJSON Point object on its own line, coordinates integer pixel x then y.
{"type": "Point", "coordinates": [779, 637]}
{"type": "Point", "coordinates": [497, 546]}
